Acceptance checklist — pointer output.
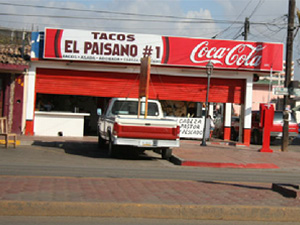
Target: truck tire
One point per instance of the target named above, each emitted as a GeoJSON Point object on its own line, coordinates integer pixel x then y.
{"type": "Point", "coordinates": [166, 153]}
{"type": "Point", "coordinates": [101, 142]}
{"type": "Point", "coordinates": [112, 149]}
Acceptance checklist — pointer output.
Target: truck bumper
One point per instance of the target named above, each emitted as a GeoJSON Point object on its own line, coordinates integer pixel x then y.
{"type": "Point", "coordinates": [147, 143]}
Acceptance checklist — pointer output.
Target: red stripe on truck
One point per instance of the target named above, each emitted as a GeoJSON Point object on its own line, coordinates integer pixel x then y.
{"type": "Point", "coordinates": [146, 132]}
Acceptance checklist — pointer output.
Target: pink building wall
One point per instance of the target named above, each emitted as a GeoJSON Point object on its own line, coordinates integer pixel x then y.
{"type": "Point", "coordinates": [260, 94]}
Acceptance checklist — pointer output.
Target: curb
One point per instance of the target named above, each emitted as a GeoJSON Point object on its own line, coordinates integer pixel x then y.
{"type": "Point", "coordinates": [133, 210]}
{"type": "Point", "coordinates": [181, 162]}
{"type": "Point", "coordinates": [230, 165]}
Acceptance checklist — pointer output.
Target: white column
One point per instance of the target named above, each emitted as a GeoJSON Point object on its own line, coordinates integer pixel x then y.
{"type": "Point", "coordinates": [30, 93]}
{"type": "Point", "coordinates": [248, 103]}
{"type": "Point", "coordinates": [227, 116]}
{"type": "Point", "coordinates": [211, 110]}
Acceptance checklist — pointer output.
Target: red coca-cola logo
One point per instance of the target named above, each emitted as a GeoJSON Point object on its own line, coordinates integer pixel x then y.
{"type": "Point", "coordinates": [240, 55]}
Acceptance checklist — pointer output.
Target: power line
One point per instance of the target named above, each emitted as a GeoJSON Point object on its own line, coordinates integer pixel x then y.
{"type": "Point", "coordinates": [247, 19]}
{"type": "Point", "coordinates": [256, 8]}
{"type": "Point", "coordinates": [223, 31]}
{"type": "Point", "coordinates": [264, 34]}
{"type": "Point", "coordinates": [162, 18]}
{"type": "Point", "coordinates": [118, 19]}
{"type": "Point", "coordinates": [230, 33]}
{"type": "Point", "coordinates": [94, 11]}
{"type": "Point", "coordinates": [189, 20]}
{"type": "Point", "coordinates": [103, 11]}
{"type": "Point", "coordinates": [239, 33]}
{"type": "Point", "coordinates": [84, 26]}
{"type": "Point", "coordinates": [134, 20]}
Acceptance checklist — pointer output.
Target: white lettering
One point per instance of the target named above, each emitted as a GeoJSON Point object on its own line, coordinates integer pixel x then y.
{"type": "Point", "coordinates": [240, 55]}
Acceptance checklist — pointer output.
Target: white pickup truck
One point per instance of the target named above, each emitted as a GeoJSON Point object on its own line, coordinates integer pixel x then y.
{"type": "Point", "coordinates": [120, 126]}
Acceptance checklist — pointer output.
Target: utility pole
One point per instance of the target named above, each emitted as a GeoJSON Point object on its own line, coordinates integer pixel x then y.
{"type": "Point", "coordinates": [288, 67]}
{"type": "Point", "coordinates": [246, 28]}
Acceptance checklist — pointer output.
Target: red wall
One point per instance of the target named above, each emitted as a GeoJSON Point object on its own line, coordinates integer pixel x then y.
{"type": "Point", "coordinates": [107, 84]}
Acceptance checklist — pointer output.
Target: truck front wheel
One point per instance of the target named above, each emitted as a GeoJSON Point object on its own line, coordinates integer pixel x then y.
{"type": "Point", "coordinates": [166, 153]}
{"type": "Point", "coordinates": [101, 142]}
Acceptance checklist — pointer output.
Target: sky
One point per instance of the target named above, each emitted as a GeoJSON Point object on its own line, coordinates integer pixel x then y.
{"type": "Point", "coordinates": [220, 19]}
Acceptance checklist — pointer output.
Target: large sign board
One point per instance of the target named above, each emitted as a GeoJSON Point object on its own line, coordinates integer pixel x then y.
{"type": "Point", "coordinates": [190, 127]}
{"type": "Point", "coordinates": [99, 46]}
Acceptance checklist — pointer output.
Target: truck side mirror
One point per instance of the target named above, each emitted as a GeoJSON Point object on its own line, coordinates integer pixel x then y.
{"type": "Point", "coordinates": [99, 112]}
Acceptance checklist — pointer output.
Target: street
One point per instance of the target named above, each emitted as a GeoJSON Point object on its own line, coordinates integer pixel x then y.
{"type": "Point", "coordinates": [82, 171]}
{"type": "Point", "coordinates": [86, 160]}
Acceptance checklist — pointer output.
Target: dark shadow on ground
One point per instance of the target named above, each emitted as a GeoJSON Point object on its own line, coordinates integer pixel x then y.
{"type": "Point", "coordinates": [248, 186]}
{"type": "Point", "coordinates": [91, 149]}
{"type": "Point", "coordinates": [286, 190]}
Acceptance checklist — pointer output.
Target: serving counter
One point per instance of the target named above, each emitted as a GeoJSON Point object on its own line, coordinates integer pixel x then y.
{"type": "Point", "coordinates": [59, 123]}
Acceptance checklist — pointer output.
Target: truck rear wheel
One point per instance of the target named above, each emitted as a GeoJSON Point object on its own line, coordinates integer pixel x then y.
{"type": "Point", "coordinates": [166, 153]}
{"type": "Point", "coordinates": [112, 149]}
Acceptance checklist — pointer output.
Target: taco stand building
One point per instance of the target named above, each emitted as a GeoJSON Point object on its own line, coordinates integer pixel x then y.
{"type": "Point", "coordinates": [74, 72]}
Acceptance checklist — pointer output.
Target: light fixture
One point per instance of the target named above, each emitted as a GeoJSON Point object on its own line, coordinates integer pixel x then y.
{"type": "Point", "coordinates": [209, 69]}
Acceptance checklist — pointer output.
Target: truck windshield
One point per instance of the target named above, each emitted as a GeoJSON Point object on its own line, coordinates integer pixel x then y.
{"type": "Point", "coordinates": [131, 108]}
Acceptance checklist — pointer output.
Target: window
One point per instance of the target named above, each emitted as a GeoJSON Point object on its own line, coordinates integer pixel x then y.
{"type": "Point", "coordinates": [131, 108]}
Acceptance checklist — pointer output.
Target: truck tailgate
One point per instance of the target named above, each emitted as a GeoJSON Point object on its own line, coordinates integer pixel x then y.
{"type": "Point", "coordinates": [147, 128]}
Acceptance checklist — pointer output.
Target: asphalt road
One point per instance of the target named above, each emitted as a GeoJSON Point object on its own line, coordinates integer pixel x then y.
{"type": "Point", "coordinates": [87, 161]}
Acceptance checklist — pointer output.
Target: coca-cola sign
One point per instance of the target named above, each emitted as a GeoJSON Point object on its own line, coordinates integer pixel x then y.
{"type": "Point", "coordinates": [225, 54]}
{"type": "Point", "coordinates": [78, 45]}
{"type": "Point", "coordinates": [241, 54]}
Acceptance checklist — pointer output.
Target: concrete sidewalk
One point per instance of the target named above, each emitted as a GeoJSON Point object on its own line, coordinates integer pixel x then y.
{"type": "Point", "coordinates": [220, 154]}
{"type": "Point", "coordinates": [144, 198]}
{"type": "Point", "coordinates": [152, 198]}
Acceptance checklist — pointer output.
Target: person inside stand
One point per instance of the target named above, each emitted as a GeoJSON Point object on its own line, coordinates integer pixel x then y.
{"type": "Point", "coordinates": [209, 127]}
{"type": "Point", "coordinates": [48, 106]}
{"type": "Point", "coordinates": [40, 105]}
{"type": "Point", "coordinates": [212, 126]}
